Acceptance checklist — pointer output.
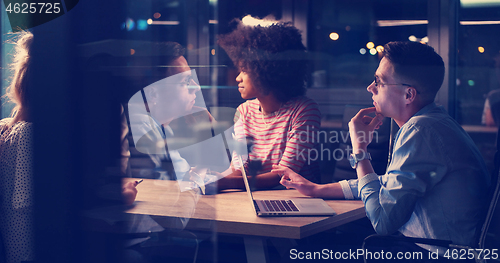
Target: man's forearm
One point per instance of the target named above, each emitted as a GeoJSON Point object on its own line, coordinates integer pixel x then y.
{"type": "Point", "coordinates": [329, 191]}
{"type": "Point", "coordinates": [364, 167]}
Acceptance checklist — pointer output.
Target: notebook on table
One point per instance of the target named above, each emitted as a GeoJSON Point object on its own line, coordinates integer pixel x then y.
{"type": "Point", "coordinates": [286, 207]}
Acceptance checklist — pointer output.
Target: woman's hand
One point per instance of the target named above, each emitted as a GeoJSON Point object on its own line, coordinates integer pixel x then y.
{"type": "Point", "coordinates": [291, 179]}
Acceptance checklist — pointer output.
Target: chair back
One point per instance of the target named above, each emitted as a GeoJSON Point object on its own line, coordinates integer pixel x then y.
{"type": "Point", "coordinates": [490, 232]}
{"type": "Point", "coordinates": [491, 227]}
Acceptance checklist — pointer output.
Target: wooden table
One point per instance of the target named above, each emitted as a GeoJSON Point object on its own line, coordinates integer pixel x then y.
{"type": "Point", "coordinates": [231, 213]}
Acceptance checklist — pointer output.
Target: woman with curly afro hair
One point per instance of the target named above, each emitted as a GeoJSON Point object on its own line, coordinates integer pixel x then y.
{"type": "Point", "coordinates": [277, 116]}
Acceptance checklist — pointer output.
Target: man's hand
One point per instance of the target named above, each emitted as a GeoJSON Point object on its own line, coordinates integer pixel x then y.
{"type": "Point", "coordinates": [291, 179]}
{"type": "Point", "coordinates": [129, 192]}
{"type": "Point", "coordinates": [197, 175]}
{"type": "Point", "coordinates": [205, 179]}
{"type": "Point", "coordinates": [361, 128]}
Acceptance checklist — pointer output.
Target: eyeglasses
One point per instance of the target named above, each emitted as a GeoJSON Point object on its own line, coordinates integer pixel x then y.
{"type": "Point", "coordinates": [379, 84]}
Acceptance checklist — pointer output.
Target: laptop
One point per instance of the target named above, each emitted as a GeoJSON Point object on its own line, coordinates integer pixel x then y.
{"type": "Point", "coordinates": [287, 207]}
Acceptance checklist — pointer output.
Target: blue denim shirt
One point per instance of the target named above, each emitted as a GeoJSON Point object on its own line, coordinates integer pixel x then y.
{"type": "Point", "coordinates": [435, 185]}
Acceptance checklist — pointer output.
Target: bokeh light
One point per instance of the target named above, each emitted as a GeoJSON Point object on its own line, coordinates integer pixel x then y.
{"type": "Point", "coordinates": [334, 36]}
{"type": "Point", "coordinates": [252, 21]}
{"type": "Point", "coordinates": [370, 45]}
{"type": "Point", "coordinates": [129, 24]}
{"type": "Point", "coordinates": [142, 24]}
{"type": "Point", "coordinates": [362, 51]}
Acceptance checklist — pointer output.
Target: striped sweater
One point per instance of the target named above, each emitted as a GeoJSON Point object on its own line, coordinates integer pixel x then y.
{"type": "Point", "coordinates": [283, 137]}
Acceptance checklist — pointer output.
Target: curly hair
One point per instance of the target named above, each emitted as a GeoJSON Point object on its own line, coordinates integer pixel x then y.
{"type": "Point", "coordinates": [419, 64]}
{"type": "Point", "coordinates": [18, 90]}
{"type": "Point", "coordinates": [273, 56]}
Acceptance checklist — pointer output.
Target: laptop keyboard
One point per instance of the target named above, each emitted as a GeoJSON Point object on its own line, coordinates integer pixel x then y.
{"type": "Point", "coordinates": [277, 206]}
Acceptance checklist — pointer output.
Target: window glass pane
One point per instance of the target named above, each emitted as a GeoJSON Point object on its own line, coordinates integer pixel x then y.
{"type": "Point", "coordinates": [5, 49]}
{"type": "Point", "coordinates": [344, 36]}
{"type": "Point", "coordinates": [118, 61]}
{"type": "Point", "coordinates": [478, 71]}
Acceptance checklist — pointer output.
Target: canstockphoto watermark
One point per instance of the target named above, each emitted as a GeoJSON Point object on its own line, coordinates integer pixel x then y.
{"type": "Point", "coordinates": [323, 154]}
{"type": "Point", "coordinates": [311, 135]}
{"type": "Point", "coordinates": [357, 254]}
{"type": "Point", "coordinates": [322, 141]}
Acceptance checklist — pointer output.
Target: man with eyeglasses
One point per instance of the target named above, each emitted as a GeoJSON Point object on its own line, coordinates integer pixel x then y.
{"type": "Point", "coordinates": [436, 182]}
{"type": "Point", "coordinates": [156, 110]}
